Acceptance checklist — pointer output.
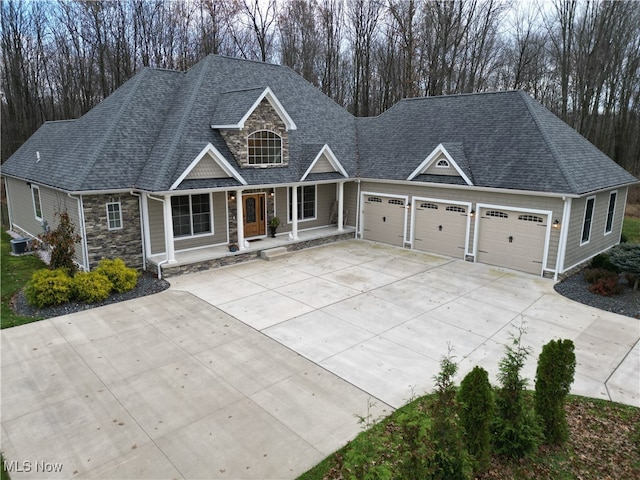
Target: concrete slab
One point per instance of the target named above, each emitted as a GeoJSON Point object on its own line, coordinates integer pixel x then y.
{"type": "Point", "coordinates": [175, 385]}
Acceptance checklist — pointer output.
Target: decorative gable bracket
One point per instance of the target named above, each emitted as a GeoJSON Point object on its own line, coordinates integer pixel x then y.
{"type": "Point", "coordinates": [437, 154]}
{"type": "Point", "coordinates": [218, 158]}
{"type": "Point", "coordinates": [267, 94]}
{"type": "Point", "coordinates": [327, 154]}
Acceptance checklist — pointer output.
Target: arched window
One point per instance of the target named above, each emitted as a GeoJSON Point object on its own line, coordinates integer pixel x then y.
{"type": "Point", "coordinates": [265, 148]}
{"type": "Point", "coordinates": [442, 163]}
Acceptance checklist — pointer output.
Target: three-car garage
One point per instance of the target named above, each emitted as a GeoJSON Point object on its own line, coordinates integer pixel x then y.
{"type": "Point", "coordinates": [510, 237]}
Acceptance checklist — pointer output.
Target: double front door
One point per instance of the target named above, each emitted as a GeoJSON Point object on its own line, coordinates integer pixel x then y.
{"type": "Point", "coordinates": [254, 214]}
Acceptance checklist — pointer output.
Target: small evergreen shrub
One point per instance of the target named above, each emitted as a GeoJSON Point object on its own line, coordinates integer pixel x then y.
{"type": "Point", "coordinates": [91, 287]}
{"type": "Point", "coordinates": [517, 431]}
{"type": "Point", "coordinates": [626, 257]}
{"type": "Point", "coordinates": [477, 407]}
{"type": "Point", "coordinates": [122, 277]}
{"type": "Point", "coordinates": [63, 241]}
{"type": "Point", "coordinates": [48, 288]}
{"type": "Point", "coordinates": [554, 376]}
{"type": "Point", "coordinates": [451, 460]}
{"type": "Point", "coordinates": [602, 261]}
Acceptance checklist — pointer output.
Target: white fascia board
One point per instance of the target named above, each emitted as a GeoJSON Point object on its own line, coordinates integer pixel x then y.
{"type": "Point", "coordinates": [431, 158]}
{"type": "Point", "coordinates": [337, 166]}
{"type": "Point", "coordinates": [218, 158]}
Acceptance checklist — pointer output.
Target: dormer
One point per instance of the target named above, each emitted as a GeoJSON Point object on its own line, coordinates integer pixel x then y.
{"type": "Point", "coordinates": [255, 126]}
{"type": "Point", "coordinates": [208, 164]}
{"type": "Point", "coordinates": [324, 162]}
{"type": "Point", "coordinates": [446, 160]}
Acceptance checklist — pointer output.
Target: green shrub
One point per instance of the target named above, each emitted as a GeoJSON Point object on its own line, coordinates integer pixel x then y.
{"type": "Point", "coordinates": [517, 431]}
{"type": "Point", "coordinates": [477, 407]}
{"type": "Point", "coordinates": [48, 287]}
{"type": "Point", "coordinates": [91, 287]}
{"type": "Point", "coordinates": [554, 376]}
{"type": "Point", "coordinates": [626, 257]}
{"type": "Point", "coordinates": [122, 277]}
{"type": "Point", "coordinates": [602, 261]}
{"type": "Point", "coordinates": [451, 460]}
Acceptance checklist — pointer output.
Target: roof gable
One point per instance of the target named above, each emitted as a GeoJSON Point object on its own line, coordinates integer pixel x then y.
{"type": "Point", "coordinates": [232, 104]}
{"type": "Point", "coordinates": [325, 162]}
{"type": "Point", "coordinates": [209, 163]}
{"type": "Point", "coordinates": [434, 164]}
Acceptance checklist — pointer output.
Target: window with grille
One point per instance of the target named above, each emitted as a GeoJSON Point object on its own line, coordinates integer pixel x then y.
{"type": "Point", "coordinates": [37, 203]}
{"type": "Point", "coordinates": [455, 208]}
{"type": "Point", "coordinates": [114, 216]}
{"type": "Point", "coordinates": [306, 203]}
{"type": "Point", "coordinates": [395, 201]}
{"type": "Point", "coordinates": [191, 215]}
{"type": "Point", "coordinates": [442, 163]}
{"type": "Point", "coordinates": [497, 213]}
{"type": "Point", "coordinates": [433, 206]}
{"type": "Point", "coordinates": [530, 218]}
{"type": "Point", "coordinates": [374, 199]}
{"type": "Point", "coordinates": [265, 148]}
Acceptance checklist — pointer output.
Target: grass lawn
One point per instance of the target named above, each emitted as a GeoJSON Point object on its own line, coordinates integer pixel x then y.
{"type": "Point", "coordinates": [15, 273]}
{"type": "Point", "coordinates": [631, 229]}
{"type": "Point", "coordinates": [604, 443]}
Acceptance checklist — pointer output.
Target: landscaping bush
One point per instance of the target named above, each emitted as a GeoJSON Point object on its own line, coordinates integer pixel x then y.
{"type": "Point", "coordinates": [49, 287]}
{"type": "Point", "coordinates": [516, 427]}
{"type": "Point", "coordinates": [63, 241]}
{"type": "Point", "coordinates": [91, 287]}
{"type": "Point", "coordinates": [606, 287]}
{"type": "Point", "coordinates": [592, 275]}
{"type": "Point", "coordinates": [626, 257]}
{"type": "Point", "coordinates": [451, 460]}
{"type": "Point", "coordinates": [122, 277]}
{"type": "Point", "coordinates": [602, 261]}
{"type": "Point", "coordinates": [477, 407]}
{"type": "Point", "coordinates": [554, 376]}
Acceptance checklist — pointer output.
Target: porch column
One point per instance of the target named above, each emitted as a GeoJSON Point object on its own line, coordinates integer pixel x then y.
{"type": "Point", "coordinates": [340, 206]}
{"type": "Point", "coordinates": [168, 230]}
{"type": "Point", "coordinates": [294, 212]}
{"type": "Point", "coordinates": [240, 220]}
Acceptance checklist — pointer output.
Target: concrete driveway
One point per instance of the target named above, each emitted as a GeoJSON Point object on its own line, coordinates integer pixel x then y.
{"type": "Point", "coordinates": [258, 370]}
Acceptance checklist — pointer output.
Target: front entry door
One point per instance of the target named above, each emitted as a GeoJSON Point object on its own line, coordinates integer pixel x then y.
{"type": "Point", "coordinates": [254, 215]}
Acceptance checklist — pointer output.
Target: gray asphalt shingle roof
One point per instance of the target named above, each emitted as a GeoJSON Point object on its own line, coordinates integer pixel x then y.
{"type": "Point", "coordinates": [151, 129]}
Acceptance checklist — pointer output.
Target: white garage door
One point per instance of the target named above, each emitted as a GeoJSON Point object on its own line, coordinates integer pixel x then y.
{"type": "Point", "coordinates": [440, 228]}
{"type": "Point", "coordinates": [512, 239]}
{"type": "Point", "coordinates": [383, 219]}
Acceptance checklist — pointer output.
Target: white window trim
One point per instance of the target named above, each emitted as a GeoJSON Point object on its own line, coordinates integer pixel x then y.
{"type": "Point", "coordinates": [315, 200]}
{"type": "Point", "coordinates": [584, 219]}
{"type": "Point", "coordinates": [33, 198]}
{"type": "Point", "coordinates": [258, 165]}
{"type": "Point", "coordinates": [613, 214]}
{"type": "Point", "coordinates": [443, 163]}
{"type": "Point", "coordinates": [197, 235]}
{"type": "Point", "coordinates": [109, 227]}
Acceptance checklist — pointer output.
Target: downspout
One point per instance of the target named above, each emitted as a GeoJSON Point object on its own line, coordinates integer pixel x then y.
{"type": "Point", "coordinates": [9, 212]}
{"type": "Point", "coordinates": [358, 210]}
{"type": "Point", "coordinates": [564, 234]}
{"type": "Point", "coordinates": [83, 228]}
{"type": "Point", "coordinates": [142, 228]}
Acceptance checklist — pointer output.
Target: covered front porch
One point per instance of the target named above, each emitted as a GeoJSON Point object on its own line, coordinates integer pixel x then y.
{"type": "Point", "coordinates": [204, 258]}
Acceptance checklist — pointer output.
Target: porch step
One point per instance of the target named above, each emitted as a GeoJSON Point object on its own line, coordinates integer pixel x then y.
{"type": "Point", "coordinates": [273, 253]}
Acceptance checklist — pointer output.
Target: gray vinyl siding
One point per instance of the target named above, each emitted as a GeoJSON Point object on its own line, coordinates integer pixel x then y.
{"type": "Point", "coordinates": [325, 197]}
{"type": "Point", "coordinates": [598, 241]}
{"type": "Point", "coordinates": [553, 204]}
{"type": "Point", "coordinates": [156, 226]}
{"type": "Point", "coordinates": [219, 209]}
{"type": "Point", "coordinates": [351, 203]}
{"type": "Point", "coordinates": [52, 201]}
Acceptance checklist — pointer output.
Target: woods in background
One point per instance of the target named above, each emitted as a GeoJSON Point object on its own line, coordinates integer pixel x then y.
{"type": "Point", "coordinates": [580, 59]}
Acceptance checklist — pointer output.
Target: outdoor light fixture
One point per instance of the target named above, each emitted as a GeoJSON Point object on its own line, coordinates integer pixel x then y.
{"type": "Point", "coordinates": [232, 196]}
{"type": "Point", "coordinates": [556, 223]}
{"type": "Point", "coordinates": [472, 213]}
{"type": "Point", "coordinates": [271, 192]}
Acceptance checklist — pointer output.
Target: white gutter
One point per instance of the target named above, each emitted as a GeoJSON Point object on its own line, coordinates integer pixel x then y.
{"type": "Point", "coordinates": [6, 189]}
